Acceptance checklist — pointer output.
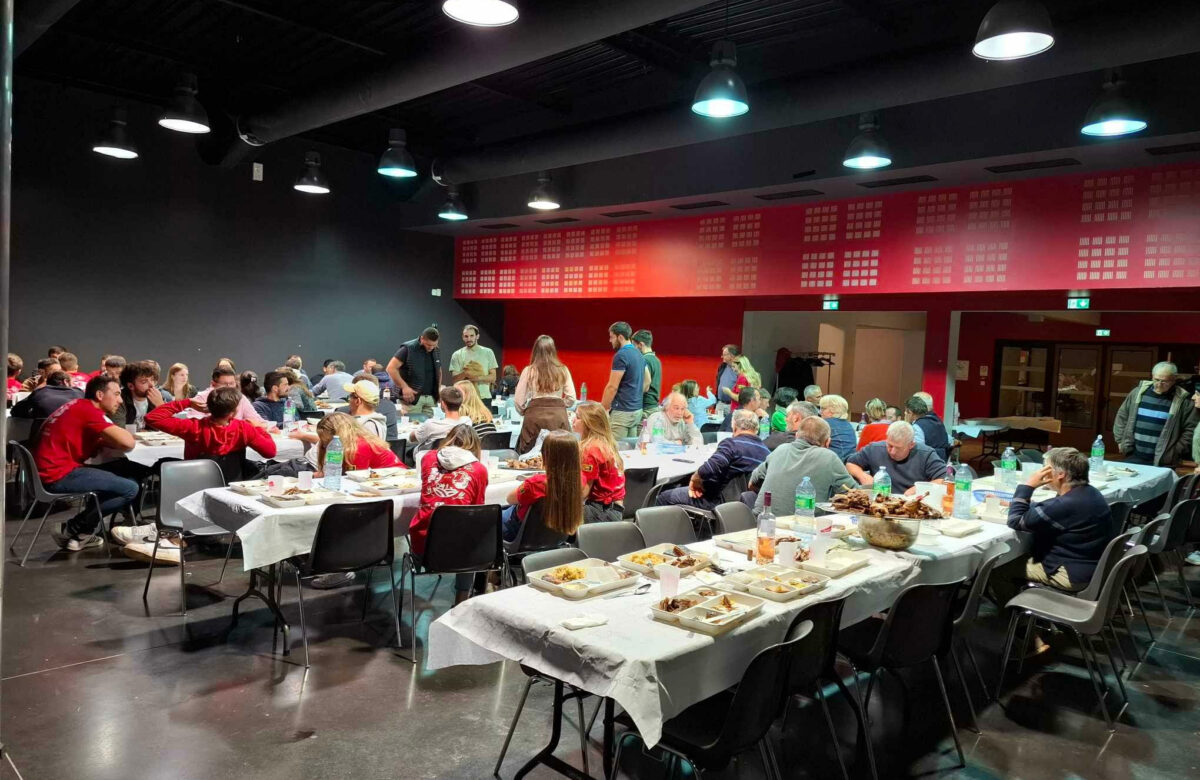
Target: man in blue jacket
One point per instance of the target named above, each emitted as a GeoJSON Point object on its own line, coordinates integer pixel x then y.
{"type": "Point", "coordinates": [734, 457]}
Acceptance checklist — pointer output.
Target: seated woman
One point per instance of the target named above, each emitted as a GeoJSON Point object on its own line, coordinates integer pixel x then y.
{"type": "Point", "coordinates": [450, 475]}
{"type": "Point", "coordinates": [474, 407]}
{"type": "Point", "coordinates": [783, 397]}
{"type": "Point", "coordinates": [361, 449]}
{"type": "Point", "coordinates": [698, 404]}
{"type": "Point", "coordinates": [877, 423]}
{"type": "Point", "coordinates": [559, 489]}
{"type": "Point", "coordinates": [601, 465]}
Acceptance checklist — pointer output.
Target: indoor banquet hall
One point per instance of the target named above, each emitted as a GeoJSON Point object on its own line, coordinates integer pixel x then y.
{"type": "Point", "coordinates": [670, 389]}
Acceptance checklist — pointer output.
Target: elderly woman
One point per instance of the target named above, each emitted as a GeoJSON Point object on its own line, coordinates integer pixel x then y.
{"type": "Point", "coordinates": [877, 424]}
{"type": "Point", "coordinates": [835, 410]}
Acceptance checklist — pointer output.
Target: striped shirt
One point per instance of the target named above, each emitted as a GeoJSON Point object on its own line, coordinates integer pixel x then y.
{"type": "Point", "coordinates": [1152, 414]}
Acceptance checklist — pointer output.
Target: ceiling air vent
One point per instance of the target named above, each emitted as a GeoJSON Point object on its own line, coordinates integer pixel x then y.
{"type": "Point", "coordinates": [896, 182]}
{"type": "Point", "coordinates": [1159, 151]}
{"type": "Point", "coordinates": [1061, 162]}
{"type": "Point", "coordinates": [789, 194]}
{"type": "Point", "coordinates": [699, 204]}
{"type": "Point", "coordinates": [557, 220]}
{"type": "Point", "coordinates": [626, 213]}
{"type": "Point", "coordinates": [500, 226]}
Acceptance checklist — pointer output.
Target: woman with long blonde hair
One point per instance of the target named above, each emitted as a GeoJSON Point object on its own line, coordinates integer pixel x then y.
{"type": "Point", "coordinates": [177, 382]}
{"type": "Point", "coordinates": [601, 465]}
{"type": "Point", "coordinates": [361, 449]}
{"type": "Point", "coordinates": [558, 488]}
{"type": "Point", "coordinates": [544, 392]}
{"type": "Point", "coordinates": [474, 408]}
{"type": "Point", "coordinates": [746, 377]}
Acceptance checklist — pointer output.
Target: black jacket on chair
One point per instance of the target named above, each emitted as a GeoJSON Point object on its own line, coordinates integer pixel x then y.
{"type": "Point", "coordinates": [42, 402]}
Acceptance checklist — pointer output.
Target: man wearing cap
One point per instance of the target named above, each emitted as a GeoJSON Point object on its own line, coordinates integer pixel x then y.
{"type": "Point", "coordinates": [363, 398]}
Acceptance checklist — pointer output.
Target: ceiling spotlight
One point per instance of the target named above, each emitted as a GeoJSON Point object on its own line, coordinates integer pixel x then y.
{"type": "Point", "coordinates": [543, 197]}
{"type": "Point", "coordinates": [1113, 113]}
{"type": "Point", "coordinates": [185, 114]}
{"type": "Point", "coordinates": [452, 210]}
{"type": "Point", "coordinates": [396, 162]}
{"type": "Point", "coordinates": [1013, 29]}
{"type": "Point", "coordinates": [312, 180]}
{"type": "Point", "coordinates": [114, 141]}
{"type": "Point", "coordinates": [721, 93]}
{"type": "Point", "coordinates": [481, 13]}
{"type": "Point", "coordinates": [868, 150]}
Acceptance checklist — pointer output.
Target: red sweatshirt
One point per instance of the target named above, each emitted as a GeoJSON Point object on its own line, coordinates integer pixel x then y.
{"type": "Point", "coordinates": [204, 439]}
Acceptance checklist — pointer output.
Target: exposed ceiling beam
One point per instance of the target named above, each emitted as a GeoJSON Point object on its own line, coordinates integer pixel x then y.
{"type": "Point", "coordinates": [32, 18]}
{"type": "Point", "coordinates": [303, 27]}
{"type": "Point", "coordinates": [656, 51]}
{"type": "Point", "coordinates": [879, 19]}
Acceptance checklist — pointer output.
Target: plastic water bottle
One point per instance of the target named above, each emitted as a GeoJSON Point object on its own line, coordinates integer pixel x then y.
{"type": "Point", "coordinates": [963, 480]}
{"type": "Point", "coordinates": [289, 414]}
{"type": "Point", "coordinates": [806, 498]}
{"type": "Point", "coordinates": [882, 482]}
{"type": "Point", "coordinates": [333, 464]}
{"type": "Point", "coordinates": [1008, 469]}
{"type": "Point", "coordinates": [1096, 461]}
{"type": "Point", "coordinates": [765, 542]}
{"type": "Point", "coordinates": [658, 434]}
{"type": "Point", "coordinates": [583, 392]}
{"type": "Point", "coordinates": [764, 427]}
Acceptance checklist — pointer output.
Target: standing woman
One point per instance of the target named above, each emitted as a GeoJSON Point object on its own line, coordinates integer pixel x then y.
{"type": "Point", "coordinates": [746, 377]}
{"type": "Point", "coordinates": [474, 407]}
{"type": "Point", "coordinates": [601, 465]}
{"type": "Point", "coordinates": [544, 392]}
{"type": "Point", "coordinates": [177, 382]}
{"type": "Point", "coordinates": [558, 488]}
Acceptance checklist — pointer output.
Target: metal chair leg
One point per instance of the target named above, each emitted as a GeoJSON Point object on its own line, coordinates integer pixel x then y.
{"type": "Point", "coordinates": [837, 748]}
{"type": "Point", "coordinates": [182, 578]}
{"type": "Point", "coordinates": [616, 764]}
{"type": "Point", "coordinates": [1187, 592]}
{"type": "Point", "coordinates": [228, 551]}
{"type": "Point", "coordinates": [36, 534]}
{"type": "Point", "coordinates": [937, 667]}
{"type": "Point", "coordinates": [300, 601]}
{"type": "Point", "coordinates": [975, 665]}
{"type": "Point", "coordinates": [595, 712]}
{"type": "Point", "coordinates": [1158, 586]}
{"type": "Point", "coordinates": [1030, 624]}
{"type": "Point", "coordinates": [153, 558]}
{"type": "Point", "coordinates": [28, 513]}
{"type": "Point", "coordinates": [512, 727]}
{"type": "Point", "coordinates": [865, 724]}
{"type": "Point", "coordinates": [1112, 662]}
{"type": "Point", "coordinates": [395, 603]}
{"type": "Point", "coordinates": [1008, 643]}
{"type": "Point", "coordinates": [583, 743]}
{"type": "Point", "coordinates": [1095, 685]}
{"type": "Point", "coordinates": [1145, 617]}
{"type": "Point", "coordinates": [366, 594]}
{"type": "Point", "coordinates": [962, 679]}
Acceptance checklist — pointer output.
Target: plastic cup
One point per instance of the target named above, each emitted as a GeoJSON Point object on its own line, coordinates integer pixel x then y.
{"type": "Point", "coordinates": [493, 463]}
{"type": "Point", "coordinates": [1029, 469]}
{"type": "Point", "coordinates": [131, 428]}
{"type": "Point", "coordinates": [275, 486]}
{"type": "Point", "coordinates": [668, 580]}
{"type": "Point", "coordinates": [404, 419]}
{"type": "Point", "coordinates": [305, 479]}
{"type": "Point", "coordinates": [786, 553]}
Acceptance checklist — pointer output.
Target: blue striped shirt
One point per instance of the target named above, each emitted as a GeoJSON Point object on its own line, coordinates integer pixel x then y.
{"type": "Point", "coordinates": [1152, 414]}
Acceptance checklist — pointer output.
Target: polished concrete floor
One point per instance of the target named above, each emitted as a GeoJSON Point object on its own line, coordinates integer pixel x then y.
{"type": "Point", "coordinates": [95, 685]}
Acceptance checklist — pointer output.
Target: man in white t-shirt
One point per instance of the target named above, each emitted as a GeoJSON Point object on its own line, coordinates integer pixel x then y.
{"type": "Point", "coordinates": [433, 430]}
{"type": "Point", "coordinates": [473, 362]}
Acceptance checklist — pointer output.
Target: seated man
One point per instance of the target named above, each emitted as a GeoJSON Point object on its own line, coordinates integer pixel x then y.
{"type": "Point", "coordinates": [225, 377]}
{"type": "Point", "coordinates": [385, 406]}
{"type": "Point", "coordinates": [73, 434]}
{"type": "Point", "coordinates": [892, 414]}
{"type": "Point", "coordinates": [271, 403]}
{"type": "Point", "coordinates": [433, 430]}
{"type": "Point", "coordinates": [70, 364]}
{"type": "Point", "coordinates": [812, 394]}
{"type": "Point", "coordinates": [46, 367]}
{"type": "Point", "coordinates": [363, 401]}
{"type": "Point", "coordinates": [15, 366]}
{"type": "Point", "coordinates": [736, 456]}
{"type": "Point", "coordinates": [333, 384]}
{"type": "Point", "coordinates": [907, 462]}
{"type": "Point", "coordinates": [42, 403]}
{"type": "Point", "coordinates": [111, 365]}
{"type": "Point", "coordinates": [785, 468]}
{"type": "Point", "coordinates": [1070, 531]}
{"type": "Point", "coordinates": [749, 400]}
{"type": "Point", "coordinates": [139, 394]}
{"type": "Point", "coordinates": [676, 422]}
{"type": "Point", "coordinates": [928, 428]}
{"type": "Point", "coordinates": [796, 411]}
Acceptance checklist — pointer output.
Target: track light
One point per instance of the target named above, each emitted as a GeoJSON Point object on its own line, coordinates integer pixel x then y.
{"type": "Point", "coordinates": [868, 150]}
{"type": "Point", "coordinates": [312, 180]}
{"type": "Point", "coordinates": [1013, 29]}
{"type": "Point", "coordinates": [114, 141]}
{"type": "Point", "coordinates": [185, 114]}
{"type": "Point", "coordinates": [722, 93]}
{"type": "Point", "coordinates": [1113, 113]}
{"type": "Point", "coordinates": [481, 13]}
{"type": "Point", "coordinates": [544, 197]}
{"type": "Point", "coordinates": [452, 210]}
{"type": "Point", "coordinates": [396, 162]}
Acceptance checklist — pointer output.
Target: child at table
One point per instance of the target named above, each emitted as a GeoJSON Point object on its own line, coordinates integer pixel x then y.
{"type": "Point", "coordinates": [214, 436]}
{"type": "Point", "coordinates": [361, 449]}
{"type": "Point", "coordinates": [601, 467]}
{"type": "Point", "coordinates": [559, 489]}
{"type": "Point", "coordinates": [450, 475]}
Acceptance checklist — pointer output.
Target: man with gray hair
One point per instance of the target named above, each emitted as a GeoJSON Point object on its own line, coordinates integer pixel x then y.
{"type": "Point", "coordinates": [676, 422]}
{"type": "Point", "coordinates": [796, 411]}
{"type": "Point", "coordinates": [1156, 422]}
{"type": "Point", "coordinates": [734, 458]}
{"type": "Point", "coordinates": [1070, 531]}
{"type": "Point", "coordinates": [906, 461]}
{"type": "Point", "coordinates": [813, 394]}
{"type": "Point", "coordinates": [808, 455]}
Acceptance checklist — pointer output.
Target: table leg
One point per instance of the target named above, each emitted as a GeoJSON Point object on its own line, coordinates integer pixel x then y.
{"type": "Point", "coordinates": [267, 596]}
{"type": "Point", "coordinates": [546, 755]}
{"type": "Point", "coordinates": [609, 730]}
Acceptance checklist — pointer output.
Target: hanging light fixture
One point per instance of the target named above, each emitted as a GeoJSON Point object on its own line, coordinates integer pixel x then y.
{"type": "Point", "coordinates": [396, 162]}
{"type": "Point", "coordinates": [312, 180]}
{"type": "Point", "coordinates": [544, 197]}
{"type": "Point", "coordinates": [452, 210]}
{"type": "Point", "coordinates": [868, 150]}
{"type": "Point", "coordinates": [1013, 29]}
{"type": "Point", "coordinates": [722, 93]}
{"type": "Point", "coordinates": [1113, 113]}
{"type": "Point", "coordinates": [185, 114]}
{"type": "Point", "coordinates": [481, 13]}
{"type": "Point", "coordinates": [114, 141]}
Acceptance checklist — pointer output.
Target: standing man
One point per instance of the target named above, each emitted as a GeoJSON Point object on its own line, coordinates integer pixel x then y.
{"type": "Point", "coordinates": [474, 363]}
{"type": "Point", "coordinates": [416, 372]}
{"type": "Point", "coordinates": [1155, 423]}
{"type": "Point", "coordinates": [623, 394]}
{"type": "Point", "coordinates": [726, 378]}
{"type": "Point", "coordinates": [643, 339]}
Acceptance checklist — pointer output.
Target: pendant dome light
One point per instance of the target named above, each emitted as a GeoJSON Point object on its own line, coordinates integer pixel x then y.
{"type": "Point", "coordinates": [868, 150]}
{"type": "Point", "coordinates": [396, 162]}
{"type": "Point", "coordinates": [544, 197]}
{"type": "Point", "coordinates": [481, 13]}
{"type": "Point", "coordinates": [1113, 113]}
{"type": "Point", "coordinates": [1013, 29]}
{"type": "Point", "coordinates": [185, 114]}
{"type": "Point", "coordinates": [452, 210]}
{"type": "Point", "coordinates": [312, 180]}
{"type": "Point", "coordinates": [722, 93]}
{"type": "Point", "coordinates": [114, 141]}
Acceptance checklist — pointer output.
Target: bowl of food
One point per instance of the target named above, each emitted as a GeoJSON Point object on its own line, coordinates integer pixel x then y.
{"type": "Point", "coordinates": [888, 532]}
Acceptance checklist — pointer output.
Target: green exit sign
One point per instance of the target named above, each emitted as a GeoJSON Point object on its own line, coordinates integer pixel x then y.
{"type": "Point", "coordinates": [1103, 332]}
{"type": "Point", "coordinates": [829, 305]}
{"type": "Point", "coordinates": [1079, 303]}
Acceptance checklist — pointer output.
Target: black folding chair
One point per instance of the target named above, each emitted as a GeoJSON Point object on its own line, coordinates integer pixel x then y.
{"type": "Point", "coordinates": [533, 537]}
{"type": "Point", "coordinates": [349, 538]}
{"type": "Point", "coordinates": [499, 440]}
{"type": "Point", "coordinates": [638, 484]}
{"type": "Point", "coordinates": [42, 496]}
{"type": "Point", "coordinates": [964, 624]}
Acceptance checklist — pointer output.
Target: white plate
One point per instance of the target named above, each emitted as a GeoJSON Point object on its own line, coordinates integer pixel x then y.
{"type": "Point", "coordinates": [958, 528]}
{"type": "Point", "coordinates": [591, 585]}
{"type": "Point", "coordinates": [362, 475]}
{"type": "Point", "coordinates": [694, 595]}
{"type": "Point", "coordinates": [251, 487]}
{"type": "Point", "coordinates": [666, 551]}
{"type": "Point", "coordinates": [762, 588]}
{"type": "Point", "coordinates": [838, 563]}
{"type": "Point", "coordinates": [694, 618]}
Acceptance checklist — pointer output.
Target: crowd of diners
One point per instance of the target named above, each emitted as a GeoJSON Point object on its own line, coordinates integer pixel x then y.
{"type": "Point", "coordinates": [84, 422]}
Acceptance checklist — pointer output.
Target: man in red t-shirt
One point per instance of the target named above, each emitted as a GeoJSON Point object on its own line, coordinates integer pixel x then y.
{"type": "Point", "coordinates": [73, 434]}
{"type": "Point", "coordinates": [15, 365]}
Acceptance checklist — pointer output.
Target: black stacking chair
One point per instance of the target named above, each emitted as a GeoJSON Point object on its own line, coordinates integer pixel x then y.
{"type": "Point", "coordinates": [533, 537]}
{"type": "Point", "coordinates": [41, 496]}
{"type": "Point", "coordinates": [964, 624]}
{"type": "Point", "coordinates": [660, 524]}
{"type": "Point", "coordinates": [638, 483]}
{"type": "Point", "coordinates": [608, 541]}
{"type": "Point", "coordinates": [733, 516]}
{"type": "Point", "coordinates": [500, 440]}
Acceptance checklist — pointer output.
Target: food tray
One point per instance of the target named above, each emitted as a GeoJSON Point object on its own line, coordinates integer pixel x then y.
{"type": "Point", "coordinates": [318, 495]}
{"type": "Point", "coordinates": [394, 486]}
{"type": "Point", "coordinates": [668, 552]}
{"type": "Point", "coordinates": [701, 596]}
{"type": "Point", "coordinates": [838, 563]}
{"type": "Point", "coordinates": [741, 580]}
{"type": "Point", "coordinates": [363, 475]}
{"type": "Point", "coordinates": [795, 585]}
{"type": "Point", "coordinates": [603, 579]}
{"type": "Point", "coordinates": [805, 525]}
{"type": "Point", "coordinates": [697, 618]}
{"type": "Point", "coordinates": [256, 487]}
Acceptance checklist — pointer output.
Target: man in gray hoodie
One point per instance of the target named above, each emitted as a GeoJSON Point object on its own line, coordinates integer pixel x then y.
{"type": "Point", "coordinates": [808, 456]}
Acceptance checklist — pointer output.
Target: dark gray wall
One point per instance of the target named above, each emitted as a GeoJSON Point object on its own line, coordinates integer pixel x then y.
{"type": "Point", "coordinates": [166, 257]}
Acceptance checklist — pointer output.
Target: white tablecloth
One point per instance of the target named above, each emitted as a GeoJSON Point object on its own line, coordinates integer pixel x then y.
{"type": "Point", "coordinates": [148, 455]}
{"type": "Point", "coordinates": [973, 430]}
{"type": "Point", "coordinates": [1146, 483]}
{"type": "Point", "coordinates": [669, 466]}
{"type": "Point", "coordinates": [653, 670]}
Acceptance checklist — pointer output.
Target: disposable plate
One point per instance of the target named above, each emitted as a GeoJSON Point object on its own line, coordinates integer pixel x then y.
{"type": "Point", "coordinates": [785, 587]}
{"type": "Point", "coordinates": [706, 620]}
{"type": "Point", "coordinates": [363, 475]}
{"type": "Point", "coordinates": [600, 576]}
{"type": "Point", "coordinates": [838, 563]}
{"type": "Point", "coordinates": [667, 552]}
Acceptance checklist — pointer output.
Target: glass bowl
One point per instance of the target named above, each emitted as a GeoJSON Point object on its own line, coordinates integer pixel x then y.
{"type": "Point", "coordinates": [889, 533]}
